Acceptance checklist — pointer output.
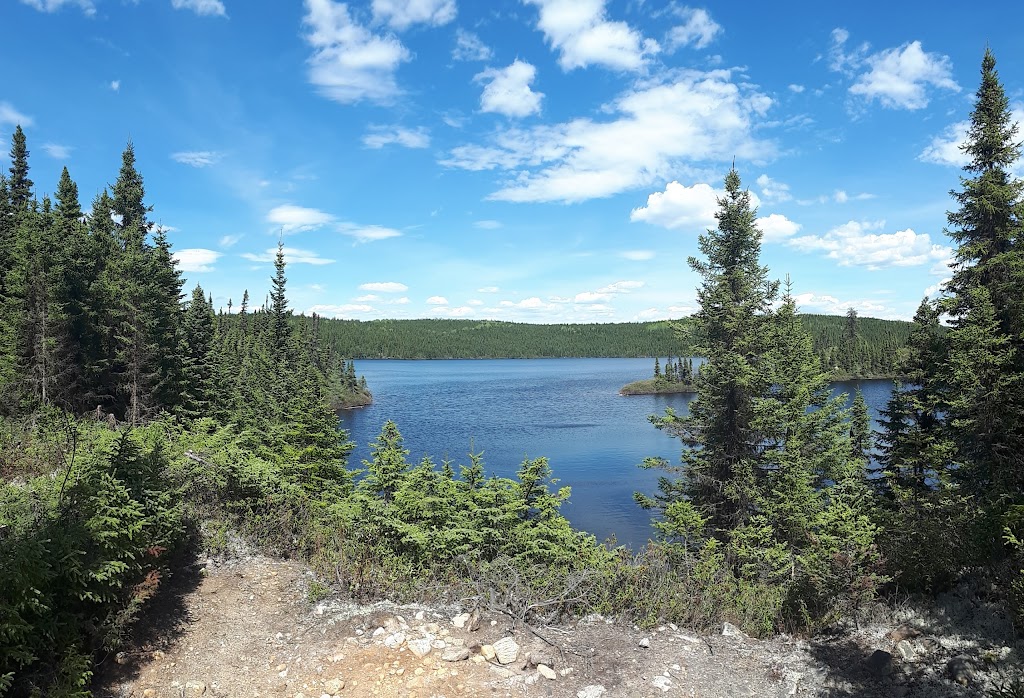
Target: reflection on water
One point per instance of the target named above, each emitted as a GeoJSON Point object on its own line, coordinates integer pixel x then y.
{"type": "Point", "coordinates": [568, 410]}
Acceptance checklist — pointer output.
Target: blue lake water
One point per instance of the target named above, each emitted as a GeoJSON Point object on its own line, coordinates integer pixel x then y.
{"type": "Point", "coordinates": [568, 410]}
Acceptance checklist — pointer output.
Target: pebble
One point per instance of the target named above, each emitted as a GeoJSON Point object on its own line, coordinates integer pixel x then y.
{"type": "Point", "coordinates": [506, 650]}
{"type": "Point", "coordinates": [546, 671]}
{"type": "Point", "coordinates": [906, 650]}
{"type": "Point", "coordinates": [730, 630]}
{"type": "Point", "coordinates": [488, 652]}
{"type": "Point", "coordinates": [456, 654]}
{"type": "Point", "coordinates": [592, 691]}
{"type": "Point", "coordinates": [460, 620]}
{"type": "Point", "coordinates": [421, 648]}
{"type": "Point", "coordinates": [662, 682]}
{"type": "Point", "coordinates": [645, 643]}
{"type": "Point", "coordinates": [334, 686]}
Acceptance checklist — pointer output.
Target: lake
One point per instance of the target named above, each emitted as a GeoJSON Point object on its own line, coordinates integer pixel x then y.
{"type": "Point", "coordinates": [568, 410]}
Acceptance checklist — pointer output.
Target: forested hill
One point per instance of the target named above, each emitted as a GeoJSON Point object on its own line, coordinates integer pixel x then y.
{"type": "Point", "coordinates": [849, 345]}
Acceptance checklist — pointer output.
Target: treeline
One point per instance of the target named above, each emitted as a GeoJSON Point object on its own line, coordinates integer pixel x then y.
{"type": "Point", "coordinates": [105, 375]}
{"type": "Point", "coordinates": [92, 318]}
{"type": "Point", "coordinates": [872, 349]}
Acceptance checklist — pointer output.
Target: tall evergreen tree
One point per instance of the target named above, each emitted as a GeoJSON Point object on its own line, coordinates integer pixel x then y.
{"type": "Point", "coordinates": [19, 185]}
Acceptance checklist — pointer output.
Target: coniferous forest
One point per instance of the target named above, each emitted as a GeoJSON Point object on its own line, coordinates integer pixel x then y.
{"type": "Point", "coordinates": [139, 426]}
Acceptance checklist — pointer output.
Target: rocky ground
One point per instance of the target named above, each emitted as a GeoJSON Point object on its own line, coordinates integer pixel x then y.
{"type": "Point", "coordinates": [246, 627]}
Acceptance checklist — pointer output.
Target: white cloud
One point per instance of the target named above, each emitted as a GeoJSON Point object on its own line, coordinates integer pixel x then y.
{"type": "Point", "coordinates": [402, 14]}
{"type": "Point", "coordinates": [653, 133]}
{"type": "Point", "coordinates": [488, 289]}
{"type": "Point", "coordinates": [487, 225]}
{"type": "Point", "coordinates": [938, 289]}
{"type": "Point", "coordinates": [796, 88]}
{"type": "Point", "coordinates": [349, 62]}
{"type": "Point", "coordinates": [533, 303]}
{"type": "Point", "coordinates": [947, 148]}
{"type": "Point", "coordinates": [460, 311]}
{"type": "Point", "coordinates": [294, 219]}
{"type": "Point", "coordinates": [381, 136]}
{"type": "Point", "coordinates": [367, 233]}
{"type": "Point", "coordinates": [841, 197]}
{"type": "Point", "coordinates": [508, 90]}
{"type": "Point", "coordinates": [197, 158]}
{"type": "Point", "coordinates": [230, 240]}
{"type": "Point", "coordinates": [469, 47]}
{"type": "Point", "coordinates": [621, 287]}
{"type": "Point", "coordinates": [830, 305]}
{"type": "Point", "coordinates": [337, 311]}
{"type": "Point", "coordinates": [899, 78]}
{"type": "Point", "coordinates": [437, 300]}
{"type": "Point", "coordinates": [637, 255]}
{"type": "Point", "coordinates": [475, 301]}
{"type": "Point", "coordinates": [697, 28]}
{"type": "Point", "coordinates": [292, 255]}
{"type": "Point", "coordinates": [197, 259]}
{"type": "Point", "coordinates": [581, 32]}
{"type": "Point", "coordinates": [206, 8]}
{"type": "Point", "coordinates": [651, 314]}
{"type": "Point", "coordinates": [772, 190]}
{"type": "Point", "coordinates": [115, 85]}
{"type": "Point", "coordinates": [681, 310]}
{"type": "Point", "coordinates": [12, 117]}
{"type": "Point", "coordinates": [58, 152]}
{"type": "Point", "coordinates": [399, 301]}
{"type": "Point", "coordinates": [384, 287]}
{"type": "Point", "coordinates": [683, 207]}
{"type": "Point", "coordinates": [777, 227]}
{"type": "Point", "coordinates": [854, 244]}
{"type": "Point", "coordinates": [53, 5]}
{"type": "Point", "coordinates": [591, 297]}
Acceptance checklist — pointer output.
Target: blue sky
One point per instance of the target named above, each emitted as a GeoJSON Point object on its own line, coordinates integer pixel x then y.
{"type": "Point", "coordinates": [534, 160]}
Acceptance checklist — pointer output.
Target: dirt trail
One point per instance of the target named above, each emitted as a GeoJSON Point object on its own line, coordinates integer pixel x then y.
{"type": "Point", "coordinates": [246, 628]}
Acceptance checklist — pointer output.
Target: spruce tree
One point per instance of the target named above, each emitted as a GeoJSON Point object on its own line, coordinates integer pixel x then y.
{"type": "Point", "coordinates": [19, 185]}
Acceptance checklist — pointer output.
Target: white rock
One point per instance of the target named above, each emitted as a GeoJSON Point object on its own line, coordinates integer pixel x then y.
{"type": "Point", "coordinates": [421, 648]}
{"type": "Point", "coordinates": [592, 691]}
{"type": "Point", "coordinates": [731, 630]}
{"type": "Point", "coordinates": [456, 654]}
{"type": "Point", "coordinates": [662, 682]}
{"type": "Point", "coordinates": [394, 641]}
{"type": "Point", "coordinates": [546, 671]}
{"type": "Point", "coordinates": [506, 650]}
{"type": "Point", "coordinates": [645, 643]}
{"type": "Point", "coordinates": [460, 620]}
{"type": "Point", "coordinates": [419, 615]}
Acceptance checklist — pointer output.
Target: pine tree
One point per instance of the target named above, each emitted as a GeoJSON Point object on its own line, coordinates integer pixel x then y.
{"type": "Point", "coordinates": [985, 369]}
{"type": "Point", "coordinates": [19, 186]}
{"type": "Point", "coordinates": [280, 326]}
{"type": "Point", "coordinates": [198, 354]}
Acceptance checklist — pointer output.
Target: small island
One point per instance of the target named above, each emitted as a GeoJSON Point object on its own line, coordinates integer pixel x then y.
{"type": "Point", "coordinates": [678, 377]}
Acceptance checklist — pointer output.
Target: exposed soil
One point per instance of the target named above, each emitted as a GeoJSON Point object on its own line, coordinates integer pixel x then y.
{"type": "Point", "coordinates": [246, 627]}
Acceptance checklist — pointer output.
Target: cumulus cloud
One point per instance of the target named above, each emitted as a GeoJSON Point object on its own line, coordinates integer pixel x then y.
{"type": "Point", "coordinates": [402, 14]}
{"type": "Point", "coordinates": [637, 255]}
{"type": "Point", "coordinates": [680, 206]}
{"type": "Point", "coordinates": [349, 62]}
{"type": "Point", "coordinates": [86, 6]}
{"type": "Point", "coordinates": [339, 311]}
{"type": "Point", "coordinates": [57, 152]}
{"type": "Point", "coordinates": [508, 90]}
{"type": "Point", "coordinates": [437, 300]}
{"type": "Point", "coordinates": [796, 88]}
{"type": "Point", "coordinates": [533, 303]}
{"type": "Point", "coordinates": [380, 136]}
{"type": "Point", "coordinates": [856, 244]}
{"type": "Point", "coordinates": [776, 227]}
{"type": "Point", "coordinates": [367, 233]}
{"type": "Point", "coordinates": [197, 158]}
{"type": "Point", "coordinates": [899, 78]}
{"type": "Point", "coordinates": [582, 34]}
{"type": "Point", "coordinates": [652, 132]}
{"type": "Point", "coordinates": [208, 8]}
{"type": "Point", "coordinates": [591, 297]}
{"type": "Point", "coordinates": [9, 116]}
{"type": "Point", "coordinates": [772, 190]}
{"type": "Point", "coordinates": [697, 30]}
{"type": "Point", "coordinates": [292, 255]}
{"type": "Point", "coordinates": [196, 259]}
{"type": "Point", "coordinates": [621, 287]}
{"type": "Point", "coordinates": [384, 287]}
{"type": "Point", "coordinates": [294, 219]}
{"type": "Point", "coordinates": [469, 47]}
{"type": "Point", "coordinates": [947, 147]}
